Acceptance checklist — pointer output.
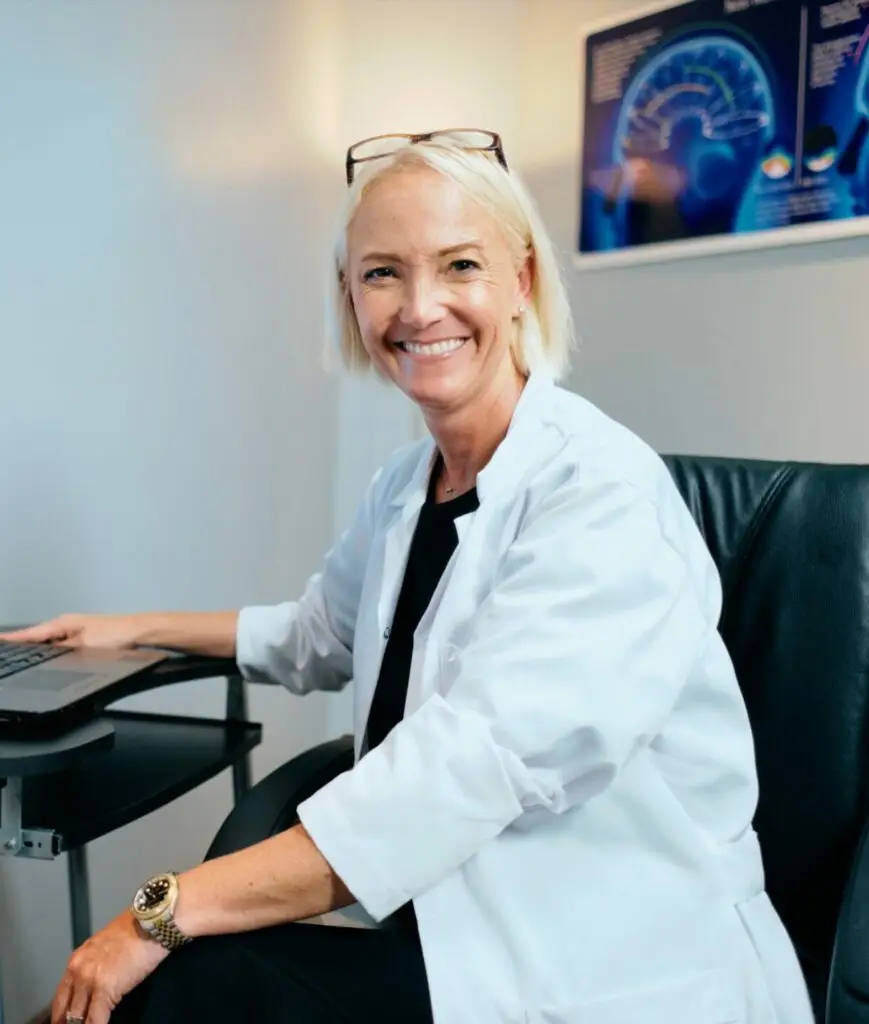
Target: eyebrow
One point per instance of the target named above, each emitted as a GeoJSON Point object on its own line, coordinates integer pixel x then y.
{"type": "Point", "coordinates": [389, 257]}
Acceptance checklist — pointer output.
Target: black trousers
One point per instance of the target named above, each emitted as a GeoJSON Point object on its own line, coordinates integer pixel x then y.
{"type": "Point", "coordinates": [292, 974]}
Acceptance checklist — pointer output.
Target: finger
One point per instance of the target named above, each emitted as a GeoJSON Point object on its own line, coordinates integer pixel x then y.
{"type": "Point", "coordinates": [61, 1000]}
{"type": "Point", "coordinates": [44, 633]}
{"type": "Point", "coordinates": [100, 1010]}
{"type": "Point", "coordinates": [79, 1004]}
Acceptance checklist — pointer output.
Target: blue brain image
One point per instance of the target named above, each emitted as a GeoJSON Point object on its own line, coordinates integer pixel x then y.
{"type": "Point", "coordinates": [696, 120]}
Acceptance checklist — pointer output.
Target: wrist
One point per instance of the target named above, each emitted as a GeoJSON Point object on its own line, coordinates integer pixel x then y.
{"type": "Point", "coordinates": [153, 909]}
{"type": "Point", "coordinates": [158, 951]}
{"type": "Point", "coordinates": [192, 911]}
{"type": "Point", "coordinates": [148, 629]}
{"type": "Point", "coordinates": [209, 633]}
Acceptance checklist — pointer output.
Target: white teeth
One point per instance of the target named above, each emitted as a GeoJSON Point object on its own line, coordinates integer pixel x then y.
{"type": "Point", "coordinates": [436, 348]}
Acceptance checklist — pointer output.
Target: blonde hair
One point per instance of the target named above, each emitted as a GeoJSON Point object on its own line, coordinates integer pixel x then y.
{"type": "Point", "coordinates": [543, 339]}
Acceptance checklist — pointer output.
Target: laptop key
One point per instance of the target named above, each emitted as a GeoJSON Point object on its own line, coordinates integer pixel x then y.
{"type": "Point", "coordinates": [16, 657]}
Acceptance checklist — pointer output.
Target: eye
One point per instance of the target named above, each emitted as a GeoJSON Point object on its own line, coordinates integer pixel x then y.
{"type": "Point", "coordinates": [378, 274]}
{"type": "Point", "coordinates": [464, 265]}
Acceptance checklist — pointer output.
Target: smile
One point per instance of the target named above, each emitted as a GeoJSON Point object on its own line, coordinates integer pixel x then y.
{"type": "Point", "coordinates": [431, 348]}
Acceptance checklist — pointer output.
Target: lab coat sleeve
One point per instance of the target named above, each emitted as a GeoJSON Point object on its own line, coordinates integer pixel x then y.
{"type": "Point", "coordinates": [308, 644]}
{"type": "Point", "coordinates": [575, 659]}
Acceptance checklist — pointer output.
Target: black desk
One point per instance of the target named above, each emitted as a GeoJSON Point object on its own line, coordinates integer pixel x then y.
{"type": "Point", "coordinates": [59, 794]}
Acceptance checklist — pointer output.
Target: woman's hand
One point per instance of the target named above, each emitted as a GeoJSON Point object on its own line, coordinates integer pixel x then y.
{"type": "Point", "coordinates": [83, 631]}
{"type": "Point", "coordinates": [209, 633]}
{"type": "Point", "coordinates": [104, 969]}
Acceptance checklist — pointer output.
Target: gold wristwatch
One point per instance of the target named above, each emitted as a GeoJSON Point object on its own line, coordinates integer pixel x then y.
{"type": "Point", "coordinates": [154, 909]}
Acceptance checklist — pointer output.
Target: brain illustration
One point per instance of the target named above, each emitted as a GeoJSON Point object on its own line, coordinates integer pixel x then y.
{"type": "Point", "coordinates": [704, 101]}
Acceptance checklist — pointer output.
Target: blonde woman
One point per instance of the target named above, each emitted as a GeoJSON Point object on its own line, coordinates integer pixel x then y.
{"type": "Point", "coordinates": [549, 817]}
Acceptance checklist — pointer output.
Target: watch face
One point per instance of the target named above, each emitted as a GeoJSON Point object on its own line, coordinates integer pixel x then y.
{"type": "Point", "coordinates": [152, 894]}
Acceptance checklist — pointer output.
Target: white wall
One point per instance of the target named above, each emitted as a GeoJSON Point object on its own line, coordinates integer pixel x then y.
{"type": "Point", "coordinates": [762, 354]}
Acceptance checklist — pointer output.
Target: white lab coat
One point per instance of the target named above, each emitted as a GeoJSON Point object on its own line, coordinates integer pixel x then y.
{"type": "Point", "coordinates": [568, 800]}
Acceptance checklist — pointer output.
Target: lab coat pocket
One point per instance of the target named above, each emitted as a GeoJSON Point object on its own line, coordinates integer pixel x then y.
{"type": "Point", "coordinates": [706, 998]}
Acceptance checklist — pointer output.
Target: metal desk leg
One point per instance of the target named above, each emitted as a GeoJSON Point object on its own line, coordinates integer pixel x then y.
{"type": "Point", "coordinates": [79, 895]}
{"type": "Point", "coordinates": [236, 708]}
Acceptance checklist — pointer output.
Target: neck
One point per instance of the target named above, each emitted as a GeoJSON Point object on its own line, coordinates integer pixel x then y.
{"type": "Point", "coordinates": [468, 437]}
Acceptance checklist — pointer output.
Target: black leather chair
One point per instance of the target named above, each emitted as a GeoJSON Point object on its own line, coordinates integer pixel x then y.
{"type": "Point", "coordinates": [791, 542]}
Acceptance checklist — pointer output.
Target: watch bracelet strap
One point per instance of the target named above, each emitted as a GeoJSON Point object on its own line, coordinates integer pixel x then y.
{"type": "Point", "coordinates": [168, 934]}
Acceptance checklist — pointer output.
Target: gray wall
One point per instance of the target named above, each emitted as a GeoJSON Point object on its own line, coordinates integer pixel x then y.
{"type": "Point", "coordinates": [761, 354]}
{"type": "Point", "coordinates": [168, 436]}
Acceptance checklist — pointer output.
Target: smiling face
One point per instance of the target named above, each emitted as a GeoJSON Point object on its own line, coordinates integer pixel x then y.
{"type": "Point", "coordinates": [435, 288]}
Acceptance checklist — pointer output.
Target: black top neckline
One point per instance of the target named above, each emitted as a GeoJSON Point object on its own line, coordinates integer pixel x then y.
{"type": "Point", "coordinates": [461, 505]}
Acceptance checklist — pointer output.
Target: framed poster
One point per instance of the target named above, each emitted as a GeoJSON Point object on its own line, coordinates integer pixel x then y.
{"type": "Point", "coordinates": [715, 125]}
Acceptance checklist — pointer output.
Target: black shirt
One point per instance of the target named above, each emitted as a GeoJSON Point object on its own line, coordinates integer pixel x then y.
{"type": "Point", "coordinates": [434, 541]}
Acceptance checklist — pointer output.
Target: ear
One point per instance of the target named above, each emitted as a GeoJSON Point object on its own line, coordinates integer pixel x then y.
{"type": "Point", "coordinates": [345, 292]}
{"type": "Point", "coordinates": [524, 282]}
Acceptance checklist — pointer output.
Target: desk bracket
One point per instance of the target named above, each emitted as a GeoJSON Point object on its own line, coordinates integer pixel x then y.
{"type": "Point", "coordinates": [236, 710]}
{"type": "Point", "coordinates": [15, 841]}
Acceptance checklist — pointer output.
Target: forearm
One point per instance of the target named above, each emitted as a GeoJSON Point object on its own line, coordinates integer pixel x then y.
{"type": "Point", "coordinates": [282, 879]}
{"type": "Point", "coordinates": [210, 633]}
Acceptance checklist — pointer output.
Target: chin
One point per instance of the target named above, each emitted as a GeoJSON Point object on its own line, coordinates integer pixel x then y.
{"type": "Point", "coordinates": [432, 393]}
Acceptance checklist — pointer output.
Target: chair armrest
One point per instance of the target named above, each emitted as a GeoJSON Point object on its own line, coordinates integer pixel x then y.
{"type": "Point", "coordinates": [848, 991]}
{"type": "Point", "coordinates": [270, 806]}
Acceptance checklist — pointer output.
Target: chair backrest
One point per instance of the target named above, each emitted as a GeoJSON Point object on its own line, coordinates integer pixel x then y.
{"type": "Point", "coordinates": [791, 542]}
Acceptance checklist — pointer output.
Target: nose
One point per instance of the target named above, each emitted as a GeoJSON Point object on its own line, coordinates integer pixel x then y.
{"type": "Point", "coordinates": [422, 302]}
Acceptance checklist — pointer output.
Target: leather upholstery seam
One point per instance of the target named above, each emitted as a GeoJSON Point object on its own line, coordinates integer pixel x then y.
{"type": "Point", "coordinates": [758, 522]}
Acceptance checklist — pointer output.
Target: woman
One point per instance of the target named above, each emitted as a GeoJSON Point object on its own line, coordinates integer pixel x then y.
{"type": "Point", "coordinates": [550, 813]}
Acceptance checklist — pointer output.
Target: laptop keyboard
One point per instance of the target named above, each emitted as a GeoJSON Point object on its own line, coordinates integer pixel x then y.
{"type": "Point", "coordinates": [17, 657]}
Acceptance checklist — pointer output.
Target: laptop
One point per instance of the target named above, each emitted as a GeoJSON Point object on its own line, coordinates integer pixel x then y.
{"type": "Point", "coordinates": [44, 685]}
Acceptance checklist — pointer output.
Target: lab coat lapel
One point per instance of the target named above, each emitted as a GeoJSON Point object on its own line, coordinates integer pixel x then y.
{"type": "Point", "coordinates": [521, 448]}
{"type": "Point", "coordinates": [517, 452]}
{"type": "Point", "coordinates": [404, 511]}
{"type": "Point", "coordinates": [403, 514]}
{"type": "Point", "coordinates": [426, 643]}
